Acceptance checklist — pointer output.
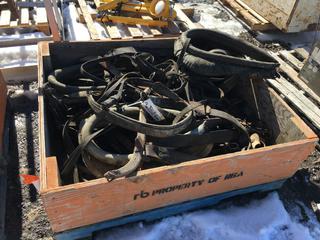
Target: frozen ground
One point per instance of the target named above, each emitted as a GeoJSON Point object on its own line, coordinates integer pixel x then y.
{"type": "Point", "coordinates": [264, 219]}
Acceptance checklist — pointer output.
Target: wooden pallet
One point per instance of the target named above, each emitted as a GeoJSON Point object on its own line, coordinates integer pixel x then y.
{"type": "Point", "coordinates": [30, 15]}
{"type": "Point", "coordinates": [122, 31]}
{"type": "Point", "coordinates": [294, 89]}
{"type": "Point", "coordinates": [255, 21]}
{"type": "Point", "coordinates": [43, 16]}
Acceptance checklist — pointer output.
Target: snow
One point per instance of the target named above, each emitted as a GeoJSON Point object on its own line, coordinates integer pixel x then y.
{"type": "Point", "coordinates": [215, 16]}
{"type": "Point", "coordinates": [18, 56]}
{"type": "Point", "coordinates": [265, 219]}
{"type": "Point", "coordinates": [74, 30]}
{"type": "Point", "coordinates": [17, 36]}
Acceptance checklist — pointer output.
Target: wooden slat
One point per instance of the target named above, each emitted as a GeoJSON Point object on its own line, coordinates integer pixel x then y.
{"type": "Point", "coordinates": [14, 24]}
{"type": "Point", "coordinates": [251, 17]}
{"type": "Point", "coordinates": [97, 3]}
{"type": "Point", "coordinates": [5, 18]}
{"type": "Point", "coordinates": [53, 176]}
{"type": "Point", "coordinates": [135, 31]}
{"type": "Point", "coordinates": [183, 17]}
{"type": "Point", "coordinates": [155, 31]}
{"type": "Point", "coordinates": [124, 30]}
{"type": "Point", "coordinates": [288, 70]}
{"type": "Point", "coordinates": [52, 21]}
{"type": "Point", "coordinates": [43, 51]}
{"type": "Point", "coordinates": [92, 29]}
{"type": "Point", "coordinates": [24, 16]}
{"type": "Point", "coordinates": [301, 52]}
{"type": "Point", "coordinates": [252, 12]}
{"type": "Point", "coordinates": [243, 12]}
{"type": "Point", "coordinates": [303, 104]}
{"type": "Point", "coordinates": [58, 15]}
{"type": "Point", "coordinates": [292, 60]}
{"type": "Point", "coordinates": [41, 16]}
{"type": "Point", "coordinates": [146, 31]}
{"type": "Point", "coordinates": [113, 31]}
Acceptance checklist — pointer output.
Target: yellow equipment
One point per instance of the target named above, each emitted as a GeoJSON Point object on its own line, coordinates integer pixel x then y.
{"type": "Point", "coordinates": [143, 12]}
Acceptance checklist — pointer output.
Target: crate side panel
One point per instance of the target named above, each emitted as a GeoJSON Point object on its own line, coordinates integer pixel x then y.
{"type": "Point", "coordinates": [82, 204]}
{"type": "Point", "coordinates": [265, 105]}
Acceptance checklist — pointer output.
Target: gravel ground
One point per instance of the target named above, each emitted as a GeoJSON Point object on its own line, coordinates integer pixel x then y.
{"type": "Point", "coordinates": [270, 46]}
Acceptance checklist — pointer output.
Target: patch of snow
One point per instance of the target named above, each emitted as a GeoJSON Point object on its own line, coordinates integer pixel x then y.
{"type": "Point", "coordinates": [17, 36]}
{"type": "Point", "coordinates": [18, 56]}
{"type": "Point", "coordinates": [75, 31]}
{"type": "Point", "coordinates": [265, 219]}
{"type": "Point", "coordinates": [216, 17]}
{"type": "Point", "coordinates": [101, 30]}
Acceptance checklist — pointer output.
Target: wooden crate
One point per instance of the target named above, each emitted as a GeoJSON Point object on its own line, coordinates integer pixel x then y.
{"type": "Point", "coordinates": [288, 15]}
{"type": "Point", "coordinates": [123, 31]}
{"type": "Point", "coordinates": [294, 90]}
{"type": "Point", "coordinates": [76, 210]}
{"type": "Point", "coordinates": [255, 21]}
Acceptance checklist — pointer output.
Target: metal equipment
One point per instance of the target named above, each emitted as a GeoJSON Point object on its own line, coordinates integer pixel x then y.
{"type": "Point", "coordinates": [156, 13]}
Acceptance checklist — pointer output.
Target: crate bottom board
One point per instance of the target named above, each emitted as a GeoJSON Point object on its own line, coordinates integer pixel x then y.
{"type": "Point", "coordinates": [155, 214]}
